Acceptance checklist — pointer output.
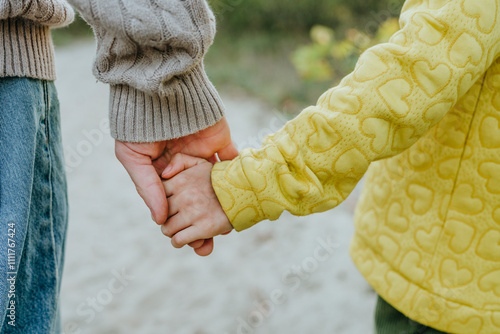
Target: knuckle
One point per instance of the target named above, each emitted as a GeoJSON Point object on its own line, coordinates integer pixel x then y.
{"type": "Point", "coordinates": [181, 180]}
{"type": "Point", "coordinates": [191, 194]}
{"type": "Point", "coordinates": [177, 158]}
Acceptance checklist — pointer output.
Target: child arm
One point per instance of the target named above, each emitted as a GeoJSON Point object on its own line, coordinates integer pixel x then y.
{"type": "Point", "coordinates": [398, 91]}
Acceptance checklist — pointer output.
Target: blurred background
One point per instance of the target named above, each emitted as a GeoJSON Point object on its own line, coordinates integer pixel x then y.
{"type": "Point", "coordinates": [285, 53]}
{"type": "Point", "coordinates": [270, 59]}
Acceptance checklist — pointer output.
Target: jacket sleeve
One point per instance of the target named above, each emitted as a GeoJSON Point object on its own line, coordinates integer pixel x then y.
{"type": "Point", "coordinates": [51, 13]}
{"type": "Point", "coordinates": [151, 53]}
{"type": "Point", "coordinates": [397, 92]}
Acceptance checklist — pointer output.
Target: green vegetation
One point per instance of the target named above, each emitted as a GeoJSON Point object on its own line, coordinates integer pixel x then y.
{"type": "Point", "coordinates": [287, 53]}
{"type": "Point", "coordinates": [259, 64]}
{"type": "Point", "coordinates": [273, 49]}
{"type": "Point", "coordinates": [77, 30]}
{"type": "Point", "coordinates": [242, 16]}
{"type": "Point", "coordinates": [328, 57]}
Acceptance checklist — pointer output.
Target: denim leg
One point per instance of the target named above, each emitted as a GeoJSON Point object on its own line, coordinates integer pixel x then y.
{"type": "Point", "coordinates": [33, 202]}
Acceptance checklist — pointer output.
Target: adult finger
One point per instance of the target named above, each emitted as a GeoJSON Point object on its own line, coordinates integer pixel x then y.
{"type": "Point", "coordinates": [197, 244]}
{"type": "Point", "coordinates": [173, 207]}
{"type": "Point", "coordinates": [228, 153]}
{"type": "Point", "coordinates": [206, 249]}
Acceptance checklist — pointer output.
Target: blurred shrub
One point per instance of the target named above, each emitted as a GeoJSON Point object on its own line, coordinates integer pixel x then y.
{"type": "Point", "coordinates": [256, 38]}
{"type": "Point", "coordinates": [327, 57]}
{"type": "Point", "coordinates": [280, 16]}
{"type": "Point", "coordinates": [237, 16]}
{"type": "Point", "coordinates": [78, 29]}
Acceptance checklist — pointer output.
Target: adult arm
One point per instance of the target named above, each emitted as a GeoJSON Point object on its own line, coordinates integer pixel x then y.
{"type": "Point", "coordinates": [151, 53]}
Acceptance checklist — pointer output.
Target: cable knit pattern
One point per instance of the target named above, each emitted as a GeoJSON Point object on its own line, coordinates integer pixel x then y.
{"type": "Point", "coordinates": [424, 111]}
{"type": "Point", "coordinates": [26, 45]}
{"type": "Point", "coordinates": [151, 53]}
{"type": "Point", "coordinates": [50, 13]}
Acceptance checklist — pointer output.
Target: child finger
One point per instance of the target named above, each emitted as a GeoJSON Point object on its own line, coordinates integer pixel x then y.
{"type": "Point", "coordinates": [175, 225]}
{"type": "Point", "coordinates": [179, 163]}
{"type": "Point", "coordinates": [168, 185]}
{"type": "Point", "coordinates": [186, 236]}
{"type": "Point", "coordinates": [173, 207]}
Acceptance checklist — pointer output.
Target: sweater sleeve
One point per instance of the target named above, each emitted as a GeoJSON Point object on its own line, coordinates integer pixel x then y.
{"type": "Point", "coordinates": [397, 92]}
{"type": "Point", "coordinates": [51, 13]}
{"type": "Point", "coordinates": [151, 54]}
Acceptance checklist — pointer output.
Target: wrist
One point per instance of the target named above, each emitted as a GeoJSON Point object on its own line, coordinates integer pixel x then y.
{"type": "Point", "coordinates": [238, 202]}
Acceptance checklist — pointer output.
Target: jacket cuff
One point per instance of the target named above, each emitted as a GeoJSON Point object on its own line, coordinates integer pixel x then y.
{"type": "Point", "coordinates": [184, 105]}
{"type": "Point", "coordinates": [239, 202]}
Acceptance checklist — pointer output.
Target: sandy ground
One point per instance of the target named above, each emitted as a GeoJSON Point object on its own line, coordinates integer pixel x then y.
{"type": "Point", "coordinates": [122, 275]}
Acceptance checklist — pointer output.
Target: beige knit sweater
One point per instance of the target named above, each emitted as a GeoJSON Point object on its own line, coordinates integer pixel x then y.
{"type": "Point", "coordinates": [149, 51]}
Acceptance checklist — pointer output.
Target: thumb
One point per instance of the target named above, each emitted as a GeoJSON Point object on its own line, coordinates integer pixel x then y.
{"type": "Point", "coordinates": [179, 163]}
{"type": "Point", "coordinates": [228, 153]}
{"type": "Point", "coordinates": [147, 182]}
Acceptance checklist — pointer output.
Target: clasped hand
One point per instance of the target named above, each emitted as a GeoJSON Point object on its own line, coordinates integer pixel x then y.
{"type": "Point", "coordinates": [146, 161]}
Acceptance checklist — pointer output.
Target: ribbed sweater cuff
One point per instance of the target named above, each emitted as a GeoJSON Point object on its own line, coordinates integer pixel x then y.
{"type": "Point", "coordinates": [187, 105]}
{"type": "Point", "coordinates": [27, 50]}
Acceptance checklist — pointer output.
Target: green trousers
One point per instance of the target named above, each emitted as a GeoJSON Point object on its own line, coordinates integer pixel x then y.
{"type": "Point", "coordinates": [388, 320]}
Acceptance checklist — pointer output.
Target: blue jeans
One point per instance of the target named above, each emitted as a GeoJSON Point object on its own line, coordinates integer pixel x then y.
{"type": "Point", "coordinates": [33, 206]}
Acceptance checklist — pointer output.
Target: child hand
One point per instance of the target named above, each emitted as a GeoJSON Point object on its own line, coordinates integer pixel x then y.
{"type": "Point", "coordinates": [193, 208]}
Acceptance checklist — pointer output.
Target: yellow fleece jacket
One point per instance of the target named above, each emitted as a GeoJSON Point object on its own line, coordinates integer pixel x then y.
{"type": "Point", "coordinates": [423, 111]}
